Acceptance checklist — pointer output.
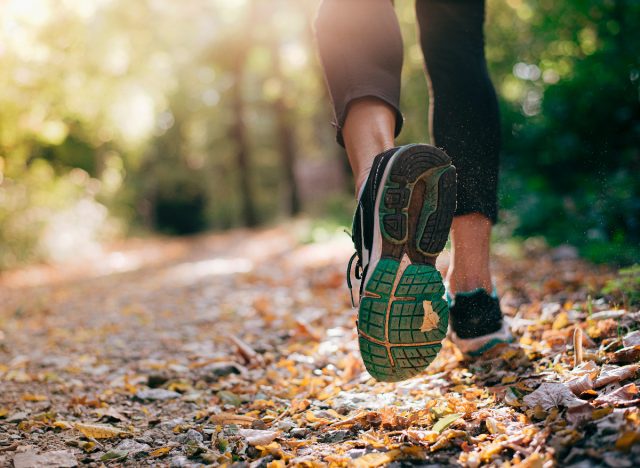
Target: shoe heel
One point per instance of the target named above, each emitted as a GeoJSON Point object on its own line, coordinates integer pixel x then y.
{"type": "Point", "coordinates": [437, 214]}
{"type": "Point", "coordinates": [411, 165]}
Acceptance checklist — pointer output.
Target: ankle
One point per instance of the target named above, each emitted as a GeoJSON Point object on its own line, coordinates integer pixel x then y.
{"type": "Point", "coordinates": [360, 180]}
{"type": "Point", "coordinates": [467, 283]}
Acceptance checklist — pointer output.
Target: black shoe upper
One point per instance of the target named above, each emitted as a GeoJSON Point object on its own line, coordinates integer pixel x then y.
{"type": "Point", "coordinates": [475, 314]}
{"type": "Point", "coordinates": [363, 219]}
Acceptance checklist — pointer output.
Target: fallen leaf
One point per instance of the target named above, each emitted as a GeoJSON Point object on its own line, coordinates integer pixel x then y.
{"type": "Point", "coordinates": [623, 396]}
{"type": "Point", "coordinates": [550, 395]}
{"type": "Point", "coordinates": [371, 460]}
{"type": "Point", "coordinates": [626, 440]}
{"type": "Point", "coordinates": [62, 425]}
{"type": "Point", "coordinates": [425, 437]}
{"type": "Point", "coordinates": [610, 374]}
{"type": "Point", "coordinates": [258, 437]}
{"type": "Point", "coordinates": [626, 355]}
{"type": "Point", "coordinates": [631, 339]}
{"type": "Point", "coordinates": [160, 452]}
{"type": "Point", "coordinates": [580, 384]}
{"type": "Point", "coordinates": [229, 418]}
{"type": "Point", "coordinates": [99, 431]}
{"type": "Point", "coordinates": [34, 397]}
{"type": "Point", "coordinates": [111, 413]}
{"type": "Point", "coordinates": [430, 319]}
{"type": "Point", "coordinates": [445, 422]}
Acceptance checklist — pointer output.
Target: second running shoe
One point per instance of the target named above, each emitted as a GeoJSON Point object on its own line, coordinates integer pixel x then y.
{"type": "Point", "coordinates": [400, 226]}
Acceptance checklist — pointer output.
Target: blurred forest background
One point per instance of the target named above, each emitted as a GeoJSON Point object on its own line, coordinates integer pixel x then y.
{"type": "Point", "coordinates": [128, 117]}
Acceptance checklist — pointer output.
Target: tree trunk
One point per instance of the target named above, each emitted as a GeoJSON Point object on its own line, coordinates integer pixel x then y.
{"type": "Point", "coordinates": [239, 135]}
{"type": "Point", "coordinates": [286, 136]}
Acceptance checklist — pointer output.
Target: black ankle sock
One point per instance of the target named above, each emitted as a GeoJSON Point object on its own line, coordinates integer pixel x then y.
{"type": "Point", "coordinates": [476, 314]}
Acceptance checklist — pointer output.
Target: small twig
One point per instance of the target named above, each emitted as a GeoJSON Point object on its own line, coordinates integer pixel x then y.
{"type": "Point", "coordinates": [92, 439]}
{"type": "Point", "coordinates": [10, 448]}
{"type": "Point", "coordinates": [246, 351]}
{"type": "Point", "coordinates": [577, 346]}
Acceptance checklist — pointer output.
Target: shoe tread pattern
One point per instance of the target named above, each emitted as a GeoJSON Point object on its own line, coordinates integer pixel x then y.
{"type": "Point", "coordinates": [391, 314]}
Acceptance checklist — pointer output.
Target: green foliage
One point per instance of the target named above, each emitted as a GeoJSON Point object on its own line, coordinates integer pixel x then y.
{"type": "Point", "coordinates": [572, 128]}
{"type": "Point", "coordinates": [130, 107]}
{"type": "Point", "coordinates": [626, 287]}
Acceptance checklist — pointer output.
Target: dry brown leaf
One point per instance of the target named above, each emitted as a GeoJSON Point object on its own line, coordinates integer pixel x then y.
{"type": "Point", "coordinates": [423, 437]}
{"type": "Point", "coordinates": [229, 418]}
{"type": "Point", "coordinates": [34, 397]}
{"type": "Point", "coordinates": [580, 384]}
{"type": "Point", "coordinates": [631, 339]}
{"type": "Point", "coordinates": [610, 374]}
{"type": "Point", "coordinates": [111, 413]}
{"type": "Point", "coordinates": [550, 395]}
{"type": "Point", "coordinates": [623, 396]}
{"type": "Point", "coordinates": [626, 355]}
{"type": "Point", "coordinates": [430, 319]}
{"type": "Point", "coordinates": [99, 431]}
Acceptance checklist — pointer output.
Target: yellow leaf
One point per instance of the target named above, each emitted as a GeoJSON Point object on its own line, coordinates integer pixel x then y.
{"type": "Point", "coordinates": [99, 431]}
{"type": "Point", "coordinates": [88, 447]}
{"type": "Point", "coordinates": [159, 452]}
{"type": "Point", "coordinates": [181, 387]}
{"type": "Point", "coordinates": [4, 412]}
{"type": "Point", "coordinates": [626, 440]}
{"type": "Point", "coordinates": [561, 321]}
{"type": "Point", "coordinates": [371, 460]}
{"type": "Point", "coordinates": [601, 413]}
{"type": "Point", "coordinates": [62, 425]}
{"type": "Point", "coordinates": [276, 464]}
{"type": "Point", "coordinates": [507, 379]}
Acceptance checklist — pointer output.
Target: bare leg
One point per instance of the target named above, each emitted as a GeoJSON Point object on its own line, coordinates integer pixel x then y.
{"type": "Point", "coordinates": [470, 245]}
{"type": "Point", "coordinates": [367, 132]}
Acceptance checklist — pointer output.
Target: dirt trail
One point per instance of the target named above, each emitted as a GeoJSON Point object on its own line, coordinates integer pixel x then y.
{"type": "Point", "coordinates": [240, 347]}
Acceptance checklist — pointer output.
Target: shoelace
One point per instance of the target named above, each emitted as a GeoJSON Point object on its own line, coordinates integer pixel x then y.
{"type": "Point", "coordinates": [358, 274]}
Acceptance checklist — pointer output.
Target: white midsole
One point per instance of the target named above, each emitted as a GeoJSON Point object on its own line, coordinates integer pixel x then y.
{"type": "Point", "coordinates": [376, 248]}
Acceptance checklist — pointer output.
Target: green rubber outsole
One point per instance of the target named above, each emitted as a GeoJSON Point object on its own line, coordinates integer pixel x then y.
{"type": "Point", "coordinates": [403, 316]}
{"type": "Point", "coordinates": [398, 303]}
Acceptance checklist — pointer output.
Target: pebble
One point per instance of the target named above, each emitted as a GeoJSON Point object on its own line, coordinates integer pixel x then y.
{"type": "Point", "coordinates": [300, 432]}
{"type": "Point", "coordinates": [156, 394]}
{"type": "Point", "coordinates": [55, 459]}
{"type": "Point", "coordinates": [17, 417]}
{"type": "Point", "coordinates": [191, 436]}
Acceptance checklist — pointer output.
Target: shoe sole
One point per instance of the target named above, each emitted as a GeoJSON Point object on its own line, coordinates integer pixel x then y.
{"type": "Point", "coordinates": [403, 316]}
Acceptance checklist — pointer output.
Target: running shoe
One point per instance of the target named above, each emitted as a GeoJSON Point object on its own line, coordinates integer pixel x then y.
{"type": "Point", "coordinates": [477, 323]}
{"type": "Point", "coordinates": [400, 226]}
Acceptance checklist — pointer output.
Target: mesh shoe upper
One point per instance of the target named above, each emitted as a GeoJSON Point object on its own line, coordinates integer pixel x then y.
{"type": "Point", "coordinates": [363, 219]}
